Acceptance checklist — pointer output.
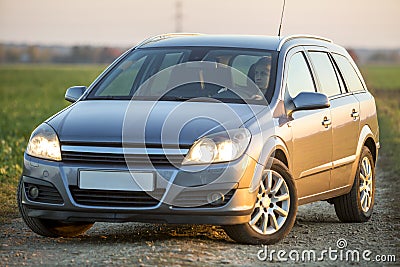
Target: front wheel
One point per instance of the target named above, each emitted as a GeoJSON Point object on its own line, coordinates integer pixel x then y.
{"type": "Point", "coordinates": [274, 211]}
{"type": "Point", "coordinates": [50, 228]}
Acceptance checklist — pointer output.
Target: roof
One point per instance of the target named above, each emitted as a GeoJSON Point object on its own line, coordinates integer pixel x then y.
{"type": "Point", "coordinates": [234, 41]}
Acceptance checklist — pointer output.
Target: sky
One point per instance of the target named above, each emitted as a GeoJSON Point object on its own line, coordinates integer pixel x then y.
{"type": "Point", "coordinates": [351, 23]}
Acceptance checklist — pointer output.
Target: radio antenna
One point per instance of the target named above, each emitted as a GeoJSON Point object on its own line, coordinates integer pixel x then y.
{"type": "Point", "coordinates": [280, 24]}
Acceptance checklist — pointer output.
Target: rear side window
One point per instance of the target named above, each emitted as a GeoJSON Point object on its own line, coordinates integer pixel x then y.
{"type": "Point", "coordinates": [351, 78]}
{"type": "Point", "coordinates": [299, 76]}
{"type": "Point", "coordinates": [326, 73]}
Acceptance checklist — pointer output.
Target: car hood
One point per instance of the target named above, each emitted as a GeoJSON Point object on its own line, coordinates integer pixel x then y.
{"type": "Point", "coordinates": [150, 122]}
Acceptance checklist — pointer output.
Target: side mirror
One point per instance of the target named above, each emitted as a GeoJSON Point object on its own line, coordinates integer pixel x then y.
{"type": "Point", "coordinates": [74, 93]}
{"type": "Point", "coordinates": [309, 101]}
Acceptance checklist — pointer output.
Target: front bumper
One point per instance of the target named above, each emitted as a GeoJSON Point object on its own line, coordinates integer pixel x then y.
{"type": "Point", "coordinates": [192, 204]}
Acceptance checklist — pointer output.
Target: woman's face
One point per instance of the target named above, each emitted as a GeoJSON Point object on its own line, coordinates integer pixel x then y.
{"type": "Point", "coordinates": [261, 77]}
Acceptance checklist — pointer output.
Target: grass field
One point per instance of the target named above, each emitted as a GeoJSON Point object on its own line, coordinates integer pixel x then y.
{"type": "Point", "coordinates": [384, 83]}
{"type": "Point", "coordinates": [30, 94]}
{"type": "Point", "coordinates": [382, 77]}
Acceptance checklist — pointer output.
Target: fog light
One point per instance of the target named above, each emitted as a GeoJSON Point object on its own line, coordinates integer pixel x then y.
{"type": "Point", "coordinates": [216, 198]}
{"type": "Point", "coordinates": [33, 192]}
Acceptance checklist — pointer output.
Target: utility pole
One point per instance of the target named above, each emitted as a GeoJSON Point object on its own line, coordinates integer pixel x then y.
{"type": "Point", "coordinates": [178, 16]}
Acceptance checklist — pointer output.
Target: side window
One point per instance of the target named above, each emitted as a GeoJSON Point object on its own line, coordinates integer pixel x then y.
{"type": "Point", "coordinates": [243, 64]}
{"type": "Point", "coordinates": [350, 75]}
{"type": "Point", "coordinates": [160, 81]}
{"type": "Point", "coordinates": [171, 59]}
{"type": "Point", "coordinates": [340, 78]}
{"type": "Point", "coordinates": [326, 73]}
{"type": "Point", "coordinates": [299, 76]}
{"type": "Point", "coordinates": [121, 82]}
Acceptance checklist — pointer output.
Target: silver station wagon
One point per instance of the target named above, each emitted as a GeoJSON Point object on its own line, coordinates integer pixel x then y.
{"type": "Point", "coordinates": [207, 129]}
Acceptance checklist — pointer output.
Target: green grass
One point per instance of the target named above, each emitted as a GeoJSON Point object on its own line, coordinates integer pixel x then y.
{"type": "Point", "coordinates": [29, 94]}
{"type": "Point", "coordinates": [384, 83]}
{"type": "Point", "coordinates": [388, 104]}
{"type": "Point", "coordinates": [382, 77]}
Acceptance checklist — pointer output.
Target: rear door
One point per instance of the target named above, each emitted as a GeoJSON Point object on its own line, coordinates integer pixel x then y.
{"type": "Point", "coordinates": [344, 115]}
{"type": "Point", "coordinates": [353, 82]}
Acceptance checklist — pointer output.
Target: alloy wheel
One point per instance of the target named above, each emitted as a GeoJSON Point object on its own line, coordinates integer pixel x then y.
{"type": "Point", "coordinates": [272, 204]}
{"type": "Point", "coordinates": [366, 188]}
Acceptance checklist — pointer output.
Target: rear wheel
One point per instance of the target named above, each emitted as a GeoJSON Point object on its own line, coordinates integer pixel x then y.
{"type": "Point", "coordinates": [274, 210]}
{"type": "Point", "coordinates": [357, 205]}
{"type": "Point", "coordinates": [50, 228]}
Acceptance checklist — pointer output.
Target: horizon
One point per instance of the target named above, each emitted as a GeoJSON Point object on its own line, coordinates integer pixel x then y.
{"type": "Point", "coordinates": [70, 46]}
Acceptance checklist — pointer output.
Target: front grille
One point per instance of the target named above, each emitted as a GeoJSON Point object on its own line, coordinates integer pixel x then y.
{"type": "Point", "coordinates": [120, 159]}
{"type": "Point", "coordinates": [47, 194]}
{"type": "Point", "coordinates": [115, 198]}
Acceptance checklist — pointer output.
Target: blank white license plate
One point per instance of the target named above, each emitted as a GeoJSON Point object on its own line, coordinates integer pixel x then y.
{"type": "Point", "coordinates": [112, 180]}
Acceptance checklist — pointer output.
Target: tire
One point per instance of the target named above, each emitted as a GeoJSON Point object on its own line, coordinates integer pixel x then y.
{"type": "Point", "coordinates": [49, 228]}
{"type": "Point", "coordinates": [270, 203]}
{"type": "Point", "coordinates": [357, 205]}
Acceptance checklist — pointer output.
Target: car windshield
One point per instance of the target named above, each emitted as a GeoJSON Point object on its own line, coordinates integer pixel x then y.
{"type": "Point", "coordinates": [197, 73]}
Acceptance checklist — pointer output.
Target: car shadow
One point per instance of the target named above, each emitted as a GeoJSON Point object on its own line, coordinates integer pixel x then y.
{"type": "Point", "coordinates": [141, 233]}
{"type": "Point", "coordinates": [310, 216]}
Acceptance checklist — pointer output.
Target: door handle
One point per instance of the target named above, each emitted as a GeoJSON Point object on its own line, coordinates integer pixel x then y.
{"type": "Point", "coordinates": [355, 114]}
{"type": "Point", "coordinates": [326, 122]}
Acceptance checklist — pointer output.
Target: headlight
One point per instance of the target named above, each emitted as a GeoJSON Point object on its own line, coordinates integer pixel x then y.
{"type": "Point", "coordinates": [44, 143]}
{"type": "Point", "coordinates": [219, 147]}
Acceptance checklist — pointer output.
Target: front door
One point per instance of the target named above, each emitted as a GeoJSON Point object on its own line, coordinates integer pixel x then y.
{"type": "Point", "coordinates": [312, 137]}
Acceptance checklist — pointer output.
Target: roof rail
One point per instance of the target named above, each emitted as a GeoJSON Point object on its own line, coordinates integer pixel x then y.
{"type": "Point", "coordinates": [164, 36]}
{"type": "Point", "coordinates": [299, 36]}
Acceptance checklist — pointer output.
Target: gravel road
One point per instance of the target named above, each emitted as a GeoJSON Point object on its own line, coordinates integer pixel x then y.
{"type": "Point", "coordinates": [317, 228]}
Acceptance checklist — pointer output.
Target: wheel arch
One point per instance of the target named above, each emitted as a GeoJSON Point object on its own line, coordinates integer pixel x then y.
{"type": "Point", "coordinates": [274, 147]}
{"type": "Point", "coordinates": [370, 143]}
{"type": "Point", "coordinates": [367, 139]}
{"type": "Point", "coordinates": [281, 156]}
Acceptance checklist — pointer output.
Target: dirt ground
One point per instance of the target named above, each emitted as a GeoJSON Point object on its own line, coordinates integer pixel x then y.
{"type": "Point", "coordinates": [136, 244]}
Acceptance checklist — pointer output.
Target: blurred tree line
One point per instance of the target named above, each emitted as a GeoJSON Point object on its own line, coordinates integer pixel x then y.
{"type": "Point", "coordinates": [10, 53]}
{"type": "Point", "coordinates": [13, 53]}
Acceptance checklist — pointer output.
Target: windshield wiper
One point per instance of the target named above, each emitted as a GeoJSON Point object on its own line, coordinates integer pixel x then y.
{"type": "Point", "coordinates": [174, 98]}
{"type": "Point", "coordinates": [112, 97]}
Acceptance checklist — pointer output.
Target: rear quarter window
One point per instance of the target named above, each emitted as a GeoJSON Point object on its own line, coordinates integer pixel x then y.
{"type": "Point", "coordinates": [353, 82]}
